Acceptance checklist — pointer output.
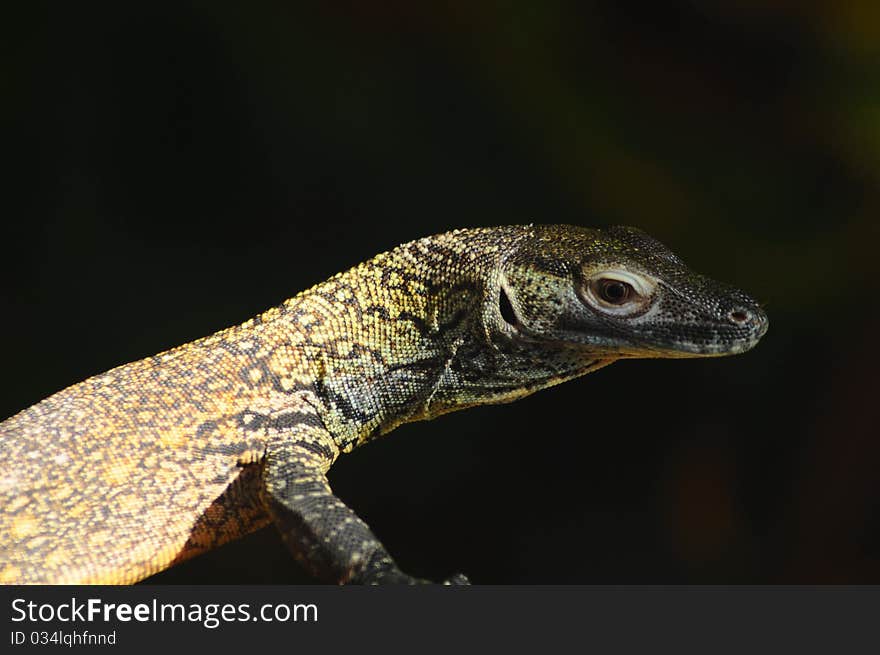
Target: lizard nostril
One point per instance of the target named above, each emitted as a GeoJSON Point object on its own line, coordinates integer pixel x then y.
{"type": "Point", "coordinates": [740, 316]}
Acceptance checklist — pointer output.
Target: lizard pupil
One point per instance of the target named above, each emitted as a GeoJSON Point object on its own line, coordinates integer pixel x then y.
{"type": "Point", "coordinates": [614, 291]}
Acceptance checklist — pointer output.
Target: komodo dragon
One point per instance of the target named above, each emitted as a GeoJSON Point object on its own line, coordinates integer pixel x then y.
{"type": "Point", "coordinates": [142, 467]}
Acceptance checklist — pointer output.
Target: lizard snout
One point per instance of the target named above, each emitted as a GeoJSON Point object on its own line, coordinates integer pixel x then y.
{"type": "Point", "coordinates": [750, 317]}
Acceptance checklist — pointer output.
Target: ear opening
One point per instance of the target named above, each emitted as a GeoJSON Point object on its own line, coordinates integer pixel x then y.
{"type": "Point", "coordinates": [505, 307]}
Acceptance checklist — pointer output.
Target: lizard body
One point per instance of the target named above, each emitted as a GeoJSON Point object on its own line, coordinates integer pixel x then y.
{"type": "Point", "coordinates": [131, 471]}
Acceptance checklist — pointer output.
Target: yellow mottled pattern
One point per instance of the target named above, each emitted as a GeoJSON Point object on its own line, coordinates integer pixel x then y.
{"type": "Point", "coordinates": [121, 475]}
{"type": "Point", "coordinates": [131, 471]}
{"type": "Point", "coordinates": [105, 481]}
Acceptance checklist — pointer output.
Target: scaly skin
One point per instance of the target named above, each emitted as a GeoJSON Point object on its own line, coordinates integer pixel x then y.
{"type": "Point", "coordinates": [134, 470]}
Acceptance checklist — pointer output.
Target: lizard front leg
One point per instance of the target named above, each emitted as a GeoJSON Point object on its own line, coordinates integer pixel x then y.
{"type": "Point", "coordinates": [321, 531]}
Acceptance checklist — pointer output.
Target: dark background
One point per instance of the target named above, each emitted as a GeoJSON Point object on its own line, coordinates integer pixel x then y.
{"type": "Point", "coordinates": [177, 169]}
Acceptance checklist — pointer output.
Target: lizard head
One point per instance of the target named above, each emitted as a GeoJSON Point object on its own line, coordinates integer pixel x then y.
{"type": "Point", "coordinates": [619, 293]}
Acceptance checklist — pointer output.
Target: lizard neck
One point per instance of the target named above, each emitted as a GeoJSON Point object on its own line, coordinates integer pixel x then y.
{"type": "Point", "coordinates": [378, 338]}
{"type": "Point", "coordinates": [404, 337]}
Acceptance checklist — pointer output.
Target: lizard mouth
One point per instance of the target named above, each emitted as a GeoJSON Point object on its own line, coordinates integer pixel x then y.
{"type": "Point", "coordinates": [750, 327]}
{"type": "Point", "coordinates": [709, 340]}
{"type": "Point", "coordinates": [688, 350]}
{"type": "Point", "coordinates": [733, 332]}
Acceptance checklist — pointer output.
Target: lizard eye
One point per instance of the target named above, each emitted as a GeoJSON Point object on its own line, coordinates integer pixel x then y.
{"type": "Point", "coordinates": [614, 292]}
{"type": "Point", "coordinates": [618, 291]}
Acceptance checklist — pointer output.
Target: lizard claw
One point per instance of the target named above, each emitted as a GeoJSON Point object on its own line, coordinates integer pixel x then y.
{"type": "Point", "coordinates": [456, 579]}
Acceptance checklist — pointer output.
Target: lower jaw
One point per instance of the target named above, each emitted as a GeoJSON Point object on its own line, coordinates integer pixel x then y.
{"type": "Point", "coordinates": [682, 352]}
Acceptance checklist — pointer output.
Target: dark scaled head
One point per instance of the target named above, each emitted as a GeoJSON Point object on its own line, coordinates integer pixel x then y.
{"type": "Point", "coordinates": [619, 293]}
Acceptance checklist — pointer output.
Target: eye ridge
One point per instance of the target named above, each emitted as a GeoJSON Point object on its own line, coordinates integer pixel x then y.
{"type": "Point", "coordinates": [614, 292]}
